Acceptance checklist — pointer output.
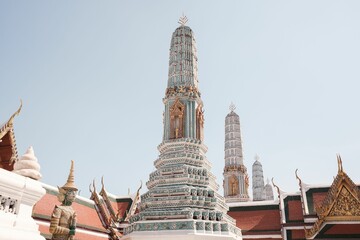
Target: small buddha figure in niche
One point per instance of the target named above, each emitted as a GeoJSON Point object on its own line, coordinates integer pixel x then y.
{"type": "Point", "coordinates": [63, 218]}
{"type": "Point", "coordinates": [234, 186]}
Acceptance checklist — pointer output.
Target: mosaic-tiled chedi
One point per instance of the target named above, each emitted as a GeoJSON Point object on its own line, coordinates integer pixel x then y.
{"type": "Point", "coordinates": [182, 198]}
{"type": "Point", "coordinates": [236, 180]}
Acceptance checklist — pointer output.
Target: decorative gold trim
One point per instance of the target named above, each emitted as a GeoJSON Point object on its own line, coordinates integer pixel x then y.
{"type": "Point", "coordinates": [298, 178]}
{"type": "Point", "coordinates": [10, 121]}
{"type": "Point", "coordinates": [181, 90]}
{"type": "Point", "coordinates": [177, 112]}
{"type": "Point", "coordinates": [301, 191]}
{"type": "Point", "coordinates": [235, 168]}
{"type": "Point", "coordinates": [102, 210]}
{"type": "Point", "coordinates": [277, 188]}
{"type": "Point", "coordinates": [200, 122]}
{"type": "Point", "coordinates": [340, 167]}
{"type": "Point", "coordinates": [233, 186]}
{"type": "Point", "coordinates": [134, 204]}
{"type": "Point", "coordinates": [7, 127]}
{"type": "Point", "coordinates": [103, 193]}
{"type": "Point", "coordinates": [342, 202]}
{"type": "Point", "coordinates": [280, 202]}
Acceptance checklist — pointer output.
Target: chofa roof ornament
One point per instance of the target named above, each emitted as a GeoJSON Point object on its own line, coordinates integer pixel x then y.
{"type": "Point", "coordinates": [340, 167]}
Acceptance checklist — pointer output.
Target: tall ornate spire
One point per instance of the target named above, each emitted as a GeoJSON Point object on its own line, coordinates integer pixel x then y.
{"type": "Point", "coordinates": [183, 117]}
{"type": "Point", "coordinates": [183, 60]}
{"type": "Point", "coordinates": [182, 196]}
{"type": "Point", "coordinates": [236, 180]}
{"type": "Point", "coordinates": [258, 180]}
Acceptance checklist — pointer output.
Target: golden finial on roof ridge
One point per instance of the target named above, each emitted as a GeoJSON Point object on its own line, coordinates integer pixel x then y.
{"type": "Point", "coordinates": [17, 112]}
{"type": "Point", "coordinates": [102, 184]}
{"type": "Point", "coordinates": [277, 187]}
{"type": "Point", "coordinates": [340, 167]}
{"type": "Point", "coordinates": [297, 177]}
{"type": "Point", "coordinates": [139, 187]}
{"type": "Point", "coordinates": [183, 20]}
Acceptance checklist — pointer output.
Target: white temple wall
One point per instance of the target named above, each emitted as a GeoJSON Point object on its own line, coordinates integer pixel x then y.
{"type": "Point", "coordinates": [18, 195]}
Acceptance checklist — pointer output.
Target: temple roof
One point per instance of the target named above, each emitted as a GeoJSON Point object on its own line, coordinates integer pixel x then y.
{"type": "Point", "coordinates": [340, 206]}
{"type": "Point", "coordinates": [8, 150]}
{"type": "Point", "coordinates": [6, 126]}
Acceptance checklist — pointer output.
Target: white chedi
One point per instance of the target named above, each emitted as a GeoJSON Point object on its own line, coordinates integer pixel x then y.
{"type": "Point", "coordinates": [28, 165]}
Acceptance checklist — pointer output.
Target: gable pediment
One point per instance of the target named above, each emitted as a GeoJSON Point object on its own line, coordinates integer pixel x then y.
{"type": "Point", "coordinates": [340, 206]}
{"type": "Point", "coordinates": [177, 108]}
{"type": "Point", "coordinates": [346, 206]}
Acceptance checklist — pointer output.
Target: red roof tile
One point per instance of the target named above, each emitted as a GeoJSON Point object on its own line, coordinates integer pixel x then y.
{"type": "Point", "coordinates": [257, 219]}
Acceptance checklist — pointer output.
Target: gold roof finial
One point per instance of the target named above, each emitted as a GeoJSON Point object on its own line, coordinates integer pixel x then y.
{"type": "Point", "coordinates": [70, 184]}
{"type": "Point", "coordinates": [340, 167]}
{"type": "Point", "coordinates": [297, 177]}
{"type": "Point", "coordinates": [277, 188]}
{"type": "Point", "coordinates": [183, 20]}
{"type": "Point", "coordinates": [232, 107]}
{"type": "Point", "coordinates": [18, 111]}
{"type": "Point", "coordinates": [15, 113]}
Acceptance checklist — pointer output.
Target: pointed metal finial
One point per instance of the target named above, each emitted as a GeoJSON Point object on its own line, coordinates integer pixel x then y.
{"type": "Point", "coordinates": [340, 167]}
{"type": "Point", "coordinates": [277, 188]}
{"type": "Point", "coordinates": [232, 107]}
{"type": "Point", "coordinates": [183, 20]}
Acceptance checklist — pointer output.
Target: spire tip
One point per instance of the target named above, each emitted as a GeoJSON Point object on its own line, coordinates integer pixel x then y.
{"type": "Point", "coordinates": [183, 20]}
{"type": "Point", "coordinates": [232, 107]}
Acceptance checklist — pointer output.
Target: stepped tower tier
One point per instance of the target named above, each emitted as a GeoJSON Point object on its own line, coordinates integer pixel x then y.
{"type": "Point", "coordinates": [182, 200]}
{"type": "Point", "coordinates": [236, 180]}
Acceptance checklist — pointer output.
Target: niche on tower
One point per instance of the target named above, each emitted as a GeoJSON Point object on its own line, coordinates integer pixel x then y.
{"type": "Point", "coordinates": [177, 119]}
{"type": "Point", "coordinates": [233, 186]}
{"type": "Point", "coordinates": [200, 123]}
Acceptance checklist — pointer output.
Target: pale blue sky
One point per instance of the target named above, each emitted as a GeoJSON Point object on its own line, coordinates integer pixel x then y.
{"type": "Point", "coordinates": [92, 75]}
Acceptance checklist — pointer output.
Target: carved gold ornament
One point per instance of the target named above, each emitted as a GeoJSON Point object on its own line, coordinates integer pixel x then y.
{"type": "Point", "coordinates": [342, 202]}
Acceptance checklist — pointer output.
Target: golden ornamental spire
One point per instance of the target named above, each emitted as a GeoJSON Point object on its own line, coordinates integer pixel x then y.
{"type": "Point", "coordinates": [70, 184]}
{"type": "Point", "coordinates": [183, 20]}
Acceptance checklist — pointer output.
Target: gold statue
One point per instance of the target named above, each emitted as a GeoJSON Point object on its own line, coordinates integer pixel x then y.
{"type": "Point", "coordinates": [63, 218]}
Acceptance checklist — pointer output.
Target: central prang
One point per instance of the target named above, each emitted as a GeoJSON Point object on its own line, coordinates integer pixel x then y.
{"type": "Point", "coordinates": [182, 197]}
